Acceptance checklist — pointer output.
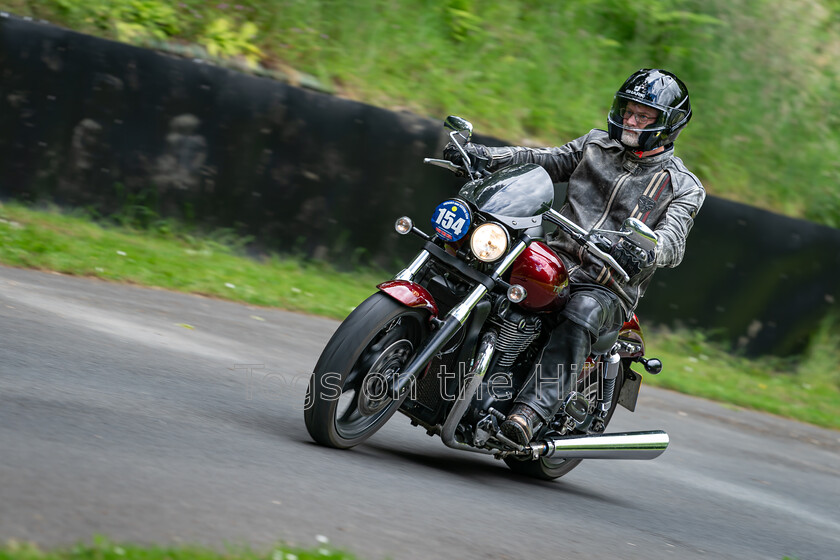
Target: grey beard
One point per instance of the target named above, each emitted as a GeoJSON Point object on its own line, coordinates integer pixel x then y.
{"type": "Point", "coordinates": [629, 138]}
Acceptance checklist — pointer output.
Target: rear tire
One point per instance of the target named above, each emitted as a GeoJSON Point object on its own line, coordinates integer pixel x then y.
{"type": "Point", "coordinates": [546, 468]}
{"type": "Point", "coordinates": [346, 401]}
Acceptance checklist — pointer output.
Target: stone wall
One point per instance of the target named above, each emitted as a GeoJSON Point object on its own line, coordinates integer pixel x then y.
{"type": "Point", "coordinates": [91, 123]}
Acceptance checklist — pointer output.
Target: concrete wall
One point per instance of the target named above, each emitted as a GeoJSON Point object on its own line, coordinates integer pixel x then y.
{"type": "Point", "coordinates": [93, 123]}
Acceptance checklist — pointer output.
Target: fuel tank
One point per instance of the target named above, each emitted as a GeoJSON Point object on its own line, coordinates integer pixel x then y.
{"type": "Point", "coordinates": [541, 272]}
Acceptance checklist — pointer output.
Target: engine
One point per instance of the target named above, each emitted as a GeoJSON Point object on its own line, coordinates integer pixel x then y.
{"type": "Point", "coordinates": [516, 333]}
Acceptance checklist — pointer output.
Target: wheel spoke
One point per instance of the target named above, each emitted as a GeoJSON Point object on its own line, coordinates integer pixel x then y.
{"type": "Point", "coordinates": [351, 415]}
{"type": "Point", "coordinates": [367, 383]}
{"type": "Point", "coordinates": [353, 382]}
{"type": "Point", "coordinates": [350, 412]}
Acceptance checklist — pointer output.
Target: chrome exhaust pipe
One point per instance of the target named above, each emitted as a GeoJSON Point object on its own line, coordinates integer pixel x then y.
{"type": "Point", "coordinates": [485, 352]}
{"type": "Point", "coordinates": [632, 445]}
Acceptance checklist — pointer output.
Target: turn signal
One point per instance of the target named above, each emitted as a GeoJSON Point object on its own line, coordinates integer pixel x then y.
{"type": "Point", "coordinates": [404, 225]}
{"type": "Point", "coordinates": [516, 293]}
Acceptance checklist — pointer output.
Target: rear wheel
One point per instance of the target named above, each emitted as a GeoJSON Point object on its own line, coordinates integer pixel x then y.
{"type": "Point", "coordinates": [548, 468]}
{"type": "Point", "coordinates": [348, 398]}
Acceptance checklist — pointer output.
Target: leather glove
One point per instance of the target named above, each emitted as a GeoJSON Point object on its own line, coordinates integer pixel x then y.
{"type": "Point", "coordinates": [633, 259]}
{"type": "Point", "coordinates": [475, 152]}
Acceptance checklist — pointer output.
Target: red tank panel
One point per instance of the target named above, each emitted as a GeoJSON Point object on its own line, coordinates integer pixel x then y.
{"type": "Point", "coordinates": [543, 275]}
{"type": "Point", "coordinates": [631, 331]}
{"type": "Point", "coordinates": [632, 324]}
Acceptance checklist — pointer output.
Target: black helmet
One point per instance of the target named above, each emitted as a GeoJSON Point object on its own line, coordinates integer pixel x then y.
{"type": "Point", "coordinates": [660, 90]}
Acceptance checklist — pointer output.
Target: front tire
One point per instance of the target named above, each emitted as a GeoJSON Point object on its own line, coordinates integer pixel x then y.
{"type": "Point", "coordinates": [347, 400]}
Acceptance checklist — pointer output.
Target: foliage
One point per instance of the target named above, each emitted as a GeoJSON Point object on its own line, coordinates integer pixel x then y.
{"type": "Point", "coordinates": [462, 19]}
{"type": "Point", "coordinates": [222, 39]}
{"type": "Point", "coordinates": [764, 76]}
{"type": "Point", "coordinates": [145, 21]}
{"type": "Point", "coordinates": [146, 18]}
{"type": "Point", "coordinates": [131, 20]}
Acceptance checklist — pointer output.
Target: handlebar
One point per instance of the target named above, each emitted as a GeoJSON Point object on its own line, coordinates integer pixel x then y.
{"type": "Point", "coordinates": [582, 236]}
{"type": "Point", "coordinates": [576, 232]}
{"type": "Point", "coordinates": [468, 168]}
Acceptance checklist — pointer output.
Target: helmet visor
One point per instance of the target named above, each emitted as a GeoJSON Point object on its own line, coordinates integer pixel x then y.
{"type": "Point", "coordinates": [637, 116]}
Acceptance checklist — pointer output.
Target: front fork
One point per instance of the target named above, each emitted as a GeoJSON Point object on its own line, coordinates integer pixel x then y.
{"type": "Point", "coordinates": [454, 320]}
{"type": "Point", "coordinates": [407, 274]}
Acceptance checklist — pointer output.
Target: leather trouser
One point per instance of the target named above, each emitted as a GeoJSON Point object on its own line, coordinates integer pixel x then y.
{"type": "Point", "coordinates": [592, 313]}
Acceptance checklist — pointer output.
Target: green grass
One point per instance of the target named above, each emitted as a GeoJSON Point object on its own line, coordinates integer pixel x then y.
{"type": "Point", "coordinates": [806, 388]}
{"type": "Point", "coordinates": [104, 549]}
{"type": "Point", "coordinates": [182, 262]}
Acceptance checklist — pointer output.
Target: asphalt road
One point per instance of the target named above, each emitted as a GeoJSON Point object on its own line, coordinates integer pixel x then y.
{"type": "Point", "coordinates": [149, 416]}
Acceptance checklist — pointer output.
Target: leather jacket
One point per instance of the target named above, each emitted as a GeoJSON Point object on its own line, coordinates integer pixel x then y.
{"type": "Point", "coordinates": [607, 184]}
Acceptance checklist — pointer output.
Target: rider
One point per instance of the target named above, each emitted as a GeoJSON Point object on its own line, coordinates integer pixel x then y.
{"type": "Point", "coordinates": [629, 171]}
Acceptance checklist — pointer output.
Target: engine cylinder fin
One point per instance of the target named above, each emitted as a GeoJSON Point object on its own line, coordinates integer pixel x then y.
{"type": "Point", "coordinates": [514, 337]}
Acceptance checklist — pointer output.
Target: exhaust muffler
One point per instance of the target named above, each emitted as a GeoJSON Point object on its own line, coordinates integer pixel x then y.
{"type": "Point", "coordinates": [631, 445]}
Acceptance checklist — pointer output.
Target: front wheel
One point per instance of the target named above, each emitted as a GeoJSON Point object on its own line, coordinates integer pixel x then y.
{"type": "Point", "coordinates": [548, 468]}
{"type": "Point", "coordinates": [348, 398]}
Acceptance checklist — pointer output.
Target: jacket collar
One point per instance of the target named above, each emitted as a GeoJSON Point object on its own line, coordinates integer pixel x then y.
{"type": "Point", "coordinates": [632, 160]}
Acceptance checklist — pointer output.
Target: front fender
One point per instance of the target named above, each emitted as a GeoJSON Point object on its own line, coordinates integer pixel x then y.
{"type": "Point", "coordinates": [410, 294]}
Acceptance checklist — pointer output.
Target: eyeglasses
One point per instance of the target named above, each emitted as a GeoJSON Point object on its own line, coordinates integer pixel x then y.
{"type": "Point", "coordinates": [640, 118]}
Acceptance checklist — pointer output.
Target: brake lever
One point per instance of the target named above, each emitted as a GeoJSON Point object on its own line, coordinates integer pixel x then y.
{"type": "Point", "coordinates": [595, 250]}
{"type": "Point", "coordinates": [446, 164]}
{"type": "Point", "coordinates": [465, 157]}
{"type": "Point", "coordinates": [600, 241]}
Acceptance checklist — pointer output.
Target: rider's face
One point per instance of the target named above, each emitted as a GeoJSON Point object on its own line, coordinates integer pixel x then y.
{"type": "Point", "coordinates": [639, 116]}
{"type": "Point", "coordinates": [636, 116]}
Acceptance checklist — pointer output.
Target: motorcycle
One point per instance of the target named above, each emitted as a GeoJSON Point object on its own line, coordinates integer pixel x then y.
{"type": "Point", "coordinates": [450, 340]}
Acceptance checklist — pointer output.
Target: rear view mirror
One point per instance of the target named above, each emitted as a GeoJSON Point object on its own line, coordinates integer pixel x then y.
{"type": "Point", "coordinates": [463, 126]}
{"type": "Point", "coordinates": [636, 232]}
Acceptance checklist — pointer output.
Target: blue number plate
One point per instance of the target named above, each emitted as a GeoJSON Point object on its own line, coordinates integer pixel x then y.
{"type": "Point", "coordinates": [452, 220]}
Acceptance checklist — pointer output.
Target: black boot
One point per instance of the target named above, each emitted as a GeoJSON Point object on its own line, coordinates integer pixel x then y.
{"type": "Point", "coordinates": [554, 375]}
{"type": "Point", "coordinates": [520, 424]}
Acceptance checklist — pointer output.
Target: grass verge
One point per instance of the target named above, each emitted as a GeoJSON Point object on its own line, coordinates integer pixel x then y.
{"type": "Point", "coordinates": [806, 388]}
{"type": "Point", "coordinates": [50, 240]}
{"type": "Point", "coordinates": [103, 549]}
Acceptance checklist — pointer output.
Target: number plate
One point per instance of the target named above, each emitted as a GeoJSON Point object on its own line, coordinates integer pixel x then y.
{"type": "Point", "coordinates": [451, 220]}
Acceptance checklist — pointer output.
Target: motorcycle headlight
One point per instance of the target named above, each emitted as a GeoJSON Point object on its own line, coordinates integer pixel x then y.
{"type": "Point", "coordinates": [489, 242]}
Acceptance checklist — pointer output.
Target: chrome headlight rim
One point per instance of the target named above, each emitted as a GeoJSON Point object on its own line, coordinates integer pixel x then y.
{"type": "Point", "coordinates": [483, 234]}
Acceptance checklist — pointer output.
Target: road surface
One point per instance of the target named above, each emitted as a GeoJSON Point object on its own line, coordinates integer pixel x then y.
{"type": "Point", "coordinates": [155, 417]}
